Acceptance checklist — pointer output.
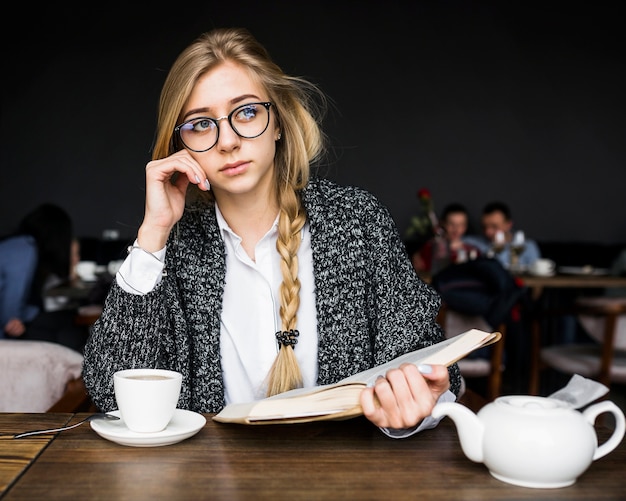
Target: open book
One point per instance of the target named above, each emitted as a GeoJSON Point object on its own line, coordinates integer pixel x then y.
{"type": "Point", "coordinates": [341, 400]}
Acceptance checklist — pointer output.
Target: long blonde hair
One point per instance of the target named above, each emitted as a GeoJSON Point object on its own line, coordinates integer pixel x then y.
{"type": "Point", "coordinates": [299, 106]}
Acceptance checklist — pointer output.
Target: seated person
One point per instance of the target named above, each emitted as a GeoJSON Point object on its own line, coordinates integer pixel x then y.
{"type": "Point", "coordinates": [18, 260]}
{"type": "Point", "coordinates": [453, 225]}
{"type": "Point", "coordinates": [230, 265]}
{"type": "Point", "coordinates": [38, 256]}
{"type": "Point", "coordinates": [497, 238]}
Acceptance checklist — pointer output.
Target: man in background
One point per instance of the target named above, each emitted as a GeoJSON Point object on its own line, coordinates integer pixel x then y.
{"type": "Point", "coordinates": [498, 238]}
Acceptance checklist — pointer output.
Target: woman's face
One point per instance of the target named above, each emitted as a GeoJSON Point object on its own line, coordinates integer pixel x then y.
{"type": "Point", "coordinates": [235, 165]}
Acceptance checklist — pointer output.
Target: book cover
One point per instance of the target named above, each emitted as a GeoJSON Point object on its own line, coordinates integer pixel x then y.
{"type": "Point", "coordinates": [341, 400]}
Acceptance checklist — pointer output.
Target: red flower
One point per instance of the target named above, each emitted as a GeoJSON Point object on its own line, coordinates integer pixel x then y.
{"type": "Point", "coordinates": [424, 224]}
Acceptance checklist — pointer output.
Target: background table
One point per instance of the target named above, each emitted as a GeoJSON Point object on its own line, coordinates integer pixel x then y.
{"type": "Point", "coordinates": [539, 284]}
{"type": "Point", "coordinates": [546, 309]}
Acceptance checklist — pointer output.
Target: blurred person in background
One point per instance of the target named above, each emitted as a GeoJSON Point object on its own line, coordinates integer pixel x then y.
{"type": "Point", "coordinates": [448, 246]}
{"type": "Point", "coordinates": [42, 253]}
{"type": "Point", "coordinates": [498, 237]}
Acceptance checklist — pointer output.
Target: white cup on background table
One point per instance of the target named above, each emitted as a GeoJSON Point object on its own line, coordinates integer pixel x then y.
{"type": "Point", "coordinates": [542, 267]}
{"type": "Point", "coordinates": [86, 270]}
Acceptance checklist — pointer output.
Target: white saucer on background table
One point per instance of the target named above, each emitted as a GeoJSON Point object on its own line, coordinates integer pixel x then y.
{"type": "Point", "coordinates": [536, 273]}
{"type": "Point", "coordinates": [183, 425]}
{"type": "Point", "coordinates": [583, 270]}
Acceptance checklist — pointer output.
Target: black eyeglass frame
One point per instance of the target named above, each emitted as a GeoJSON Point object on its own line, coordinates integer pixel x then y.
{"type": "Point", "coordinates": [267, 105]}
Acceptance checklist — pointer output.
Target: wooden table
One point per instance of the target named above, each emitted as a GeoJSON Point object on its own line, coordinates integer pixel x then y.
{"type": "Point", "coordinates": [542, 309]}
{"type": "Point", "coordinates": [539, 285]}
{"type": "Point", "coordinates": [17, 455]}
{"type": "Point", "coordinates": [325, 460]}
{"type": "Point", "coordinates": [79, 293]}
{"type": "Point", "coordinates": [77, 290]}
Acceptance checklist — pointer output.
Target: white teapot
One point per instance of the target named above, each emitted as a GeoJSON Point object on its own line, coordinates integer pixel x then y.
{"type": "Point", "coordinates": [533, 441]}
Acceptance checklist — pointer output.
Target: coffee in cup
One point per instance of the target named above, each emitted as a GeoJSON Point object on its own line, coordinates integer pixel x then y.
{"type": "Point", "coordinates": [147, 398]}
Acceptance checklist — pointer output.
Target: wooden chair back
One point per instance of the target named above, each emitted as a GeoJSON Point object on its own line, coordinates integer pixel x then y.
{"type": "Point", "coordinates": [491, 368]}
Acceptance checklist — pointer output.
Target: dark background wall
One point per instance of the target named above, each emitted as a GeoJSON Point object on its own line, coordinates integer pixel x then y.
{"type": "Point", "coordinates": [472, 100]}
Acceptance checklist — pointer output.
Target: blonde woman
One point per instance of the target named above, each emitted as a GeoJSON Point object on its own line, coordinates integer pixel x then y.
{"type": "Point", "coordinates": [251, 276]}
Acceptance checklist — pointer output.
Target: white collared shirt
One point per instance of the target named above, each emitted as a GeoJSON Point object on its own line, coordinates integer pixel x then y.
{"type": "Point", "coordinates": [251, 315]}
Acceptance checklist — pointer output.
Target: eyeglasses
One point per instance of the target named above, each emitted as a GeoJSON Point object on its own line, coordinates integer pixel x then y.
{"type": "Point", "coordinates": [200, 134]}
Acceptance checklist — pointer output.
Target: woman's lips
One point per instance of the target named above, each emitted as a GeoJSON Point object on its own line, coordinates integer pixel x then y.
{"type": "Point", "coordinates": [234, 168]}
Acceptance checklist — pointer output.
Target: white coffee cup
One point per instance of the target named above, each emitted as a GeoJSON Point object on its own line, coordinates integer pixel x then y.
{"type": "Point", "coordinates": [86, 270]}
{"type": "Point", "coordinates": [542, 266]}
{"type": "Point", "coordinates": [147, 398]}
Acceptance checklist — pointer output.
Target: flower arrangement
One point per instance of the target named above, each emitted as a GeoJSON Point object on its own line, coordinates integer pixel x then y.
{"type": "Point", "coordinates": [423, 225]}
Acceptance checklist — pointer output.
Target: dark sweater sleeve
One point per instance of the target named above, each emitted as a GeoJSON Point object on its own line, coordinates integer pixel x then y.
{"type": "Point", "coordinates": [133, 331]}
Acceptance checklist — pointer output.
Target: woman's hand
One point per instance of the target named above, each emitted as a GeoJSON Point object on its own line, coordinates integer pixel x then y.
{"type": "Point", "coordinates": [167, 180]}
{"type": "Point", "coordinates": [405, 396]}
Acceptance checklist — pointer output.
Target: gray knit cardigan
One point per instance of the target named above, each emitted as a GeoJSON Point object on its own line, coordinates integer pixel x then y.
{"type": "Point", "coordinates": [371, 305]}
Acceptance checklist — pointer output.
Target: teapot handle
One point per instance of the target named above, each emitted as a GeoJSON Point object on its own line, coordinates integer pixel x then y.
{"type": "Point", "coordinates": [591, 413]}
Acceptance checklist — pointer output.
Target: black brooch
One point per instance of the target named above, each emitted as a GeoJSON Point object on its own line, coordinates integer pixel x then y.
{"type": "Point", "coordinates": [287, 338]}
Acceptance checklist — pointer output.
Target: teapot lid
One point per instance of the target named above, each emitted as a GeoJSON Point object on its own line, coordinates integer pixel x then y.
{"type": "Point", "coordinates": [578, 392]}
{"type": "Point", "coordinates": [532, 403]}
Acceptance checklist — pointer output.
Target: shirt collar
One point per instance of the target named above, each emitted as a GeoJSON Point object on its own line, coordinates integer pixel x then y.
{"type": "Point", "coordinates": [227, 230]}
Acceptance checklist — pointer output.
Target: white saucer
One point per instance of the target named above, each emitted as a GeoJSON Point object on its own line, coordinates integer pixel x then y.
{"type": "Point", "coordinates": [542, 273]}
{"type": "Point", "coordinates": [183, 425]}
{"type": "Point", "coordinates": [583, 270]}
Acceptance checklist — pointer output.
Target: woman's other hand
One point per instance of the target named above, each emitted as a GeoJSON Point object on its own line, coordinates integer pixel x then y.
{"type": "Point", "coordinates": [405, 396]}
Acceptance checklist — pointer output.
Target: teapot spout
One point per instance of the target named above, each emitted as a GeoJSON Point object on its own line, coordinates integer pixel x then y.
{"type": "Point", "coordinates": [470, 429]}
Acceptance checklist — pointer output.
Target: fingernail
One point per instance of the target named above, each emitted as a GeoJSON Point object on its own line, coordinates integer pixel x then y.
{"type": "Point", "coordinates": [425, 368]}
{"type": "Point", "coordinates": [197, 180]}
{"type": "Point", "coordinates": [207, 184]}
{"type": "Point", "coordinates": [373, 383]}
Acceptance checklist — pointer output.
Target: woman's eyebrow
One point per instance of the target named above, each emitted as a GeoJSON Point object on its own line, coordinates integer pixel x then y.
{"type": "Point", "coordinates": [233, 102]}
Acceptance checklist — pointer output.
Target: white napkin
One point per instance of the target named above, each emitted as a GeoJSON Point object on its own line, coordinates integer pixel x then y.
{"type": "Point", "coordinates": [580, 391]}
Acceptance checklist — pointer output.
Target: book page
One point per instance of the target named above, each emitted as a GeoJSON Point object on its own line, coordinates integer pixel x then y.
{"type": "Point", "coordinates": [332, 401]}
{"type": "Point", "coordinates": [463, 345]}
{"type": "Point", "coordinates": [445, 353]}
{"type": "Point", "coordinates": [343, 396]}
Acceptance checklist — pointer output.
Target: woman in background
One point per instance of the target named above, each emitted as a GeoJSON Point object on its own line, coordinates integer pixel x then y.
{"type": "Point", "coordinates": [40, 255]}
{"type": "Point", "coordinates": [248, 275]}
